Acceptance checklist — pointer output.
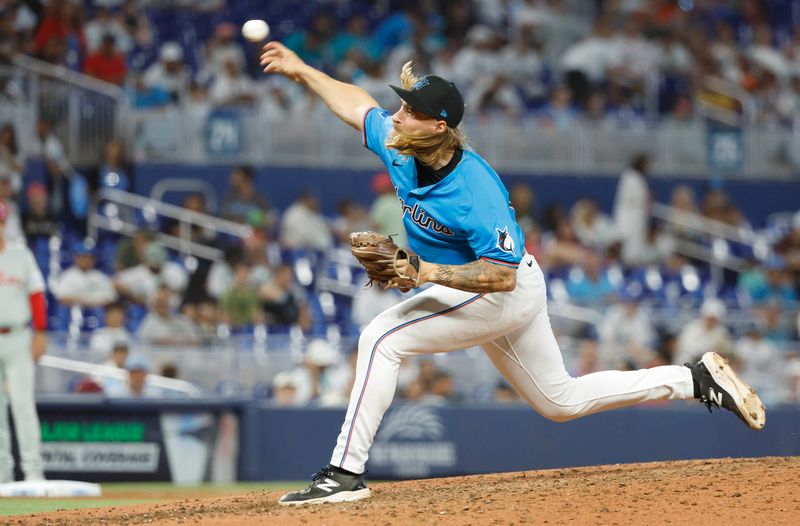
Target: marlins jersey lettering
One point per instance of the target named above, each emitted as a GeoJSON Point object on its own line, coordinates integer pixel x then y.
{"type": "Point", "coordinates": [464, 217]}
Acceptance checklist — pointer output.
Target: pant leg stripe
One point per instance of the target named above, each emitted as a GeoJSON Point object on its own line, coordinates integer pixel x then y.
{"type": "Point", "coordinates": [372, 356]}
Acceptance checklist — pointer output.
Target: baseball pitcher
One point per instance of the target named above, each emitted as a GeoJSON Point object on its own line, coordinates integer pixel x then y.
{"type": "Point", "coordinates": [22, 304]}
{"type": "Point", "coordinates": [488, 291]}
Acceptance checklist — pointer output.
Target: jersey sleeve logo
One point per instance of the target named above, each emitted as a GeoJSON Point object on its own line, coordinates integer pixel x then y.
{"type": "Point", "coordinates": [504, 241]}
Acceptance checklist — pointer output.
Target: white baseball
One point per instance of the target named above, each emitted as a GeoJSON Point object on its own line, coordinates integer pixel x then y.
{"type": "Point", "coordinates": [255, 30]}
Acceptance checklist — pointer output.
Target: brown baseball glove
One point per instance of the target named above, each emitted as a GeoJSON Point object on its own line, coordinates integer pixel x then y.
{"type": "Point", "coordinates": [386, 263]}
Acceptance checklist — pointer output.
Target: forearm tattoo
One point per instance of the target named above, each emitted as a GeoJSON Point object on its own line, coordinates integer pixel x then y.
{"type": "Point", "coordinates": [478, 276]}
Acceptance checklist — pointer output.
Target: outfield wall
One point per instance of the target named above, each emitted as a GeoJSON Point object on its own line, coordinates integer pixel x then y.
{"type": "Point", "coordinates": [195, 441]}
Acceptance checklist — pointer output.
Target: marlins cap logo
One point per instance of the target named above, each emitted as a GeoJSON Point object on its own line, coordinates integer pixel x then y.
{"type": "Point", "coordinates": [421, 83]}
{"type": "Point", "coordinates": [504, 241]}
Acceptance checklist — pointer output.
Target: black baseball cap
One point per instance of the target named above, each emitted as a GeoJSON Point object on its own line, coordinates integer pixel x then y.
{"type": "Point", "coordinates": [435, 97]}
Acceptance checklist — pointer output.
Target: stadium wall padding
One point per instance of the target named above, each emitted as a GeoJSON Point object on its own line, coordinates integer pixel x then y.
{"type": "Point", "coordinates": [439, 440]}
{"type": "Point", "coordinates": [757, 198]}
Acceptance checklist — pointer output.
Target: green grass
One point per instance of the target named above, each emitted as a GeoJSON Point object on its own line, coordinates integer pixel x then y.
{"type": "Point", "coordinates": [14, 506]}
{"type": "Point", "coordinates": [146, 492]}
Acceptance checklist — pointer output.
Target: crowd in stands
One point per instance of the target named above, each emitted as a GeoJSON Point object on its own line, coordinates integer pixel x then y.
{"type": "Point", "coordinates": [608, 62]}
{"type": "Point", "coordinates": [519, 56]}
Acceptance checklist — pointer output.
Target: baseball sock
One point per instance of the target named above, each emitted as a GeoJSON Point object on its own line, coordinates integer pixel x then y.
{"type": "Point", "coordinates": [695, 381]}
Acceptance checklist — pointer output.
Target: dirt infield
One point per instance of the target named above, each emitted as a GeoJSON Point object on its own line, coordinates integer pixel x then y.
{"type": "Point", "coordinates": [727, 491]}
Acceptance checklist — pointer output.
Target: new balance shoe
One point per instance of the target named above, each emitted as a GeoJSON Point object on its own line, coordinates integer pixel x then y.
{"type": "Point", "coordinates": [328, 485]}
{"type": "Point", "coordinates": [717, 385]}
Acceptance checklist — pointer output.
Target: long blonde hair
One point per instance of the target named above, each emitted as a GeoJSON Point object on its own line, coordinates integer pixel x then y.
{"type": "Point", "coordinates": [424, 146]}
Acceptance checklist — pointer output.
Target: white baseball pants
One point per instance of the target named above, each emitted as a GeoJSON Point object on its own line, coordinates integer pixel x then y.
{"type": "Point", "coordinates": [16, 390]}
{"type": "Point", "coordinates": [514, 330]}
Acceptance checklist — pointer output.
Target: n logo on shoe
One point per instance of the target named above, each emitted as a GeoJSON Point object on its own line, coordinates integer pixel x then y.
{"type": "Point", "coordinates": [715, 397]}
{"type": "Point", "coordinates": [328, 485]}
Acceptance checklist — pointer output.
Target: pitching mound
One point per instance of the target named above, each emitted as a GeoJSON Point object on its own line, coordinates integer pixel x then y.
{"type": "Point", "coordinates": [728, 491]}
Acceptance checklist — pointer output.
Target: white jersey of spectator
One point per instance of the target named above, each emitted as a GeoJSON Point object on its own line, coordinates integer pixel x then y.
{"type": "Point", "coordinates": [697, 337]}
{"type": "Point", "coordinates": [522, 65]}
{"type": "Point", "coordinates": [121, 389]}
{"type": "Point", "coordinates": [302, 227]}
{"type": "Point", "coordinates": [141, 281]}
{"type": "Point", "coordinates": [377, 86]}
{"type": "Point", "coordinates": [631, 210]}
{"type": "Point", "coordinates": [599, 233]}
{"type": "Point", "coordinates": [626, 334]}
{"type": "Point", "coordinates": [333, 379]}
{"type": "Point", "coordinates": [592, 56]}
{"type": "Point", "coordinates": [760, 362]}
{"type": "Point", "coordinates": [53, 151]}
{"type": "Point", "coordinates": [226, 88]}
{"type": "Point", "coordinates": [371, 301]}
{"type": "Point", "coordinates": [103, 340]}
{"type": "Point", "coordinates": [176, 327]}
{"type": "Point", "coordinates": [476, 60]}
{"type": "Point", "coordinates": [158, 74]}
{"type": "Point", "coordinates": [97, 28]}
{"type": "Point", "coordinates": [766, 56]}
{"type": "Point", "coordinates": [90, 287]}
{"type": "Point", "coordinates": [674, 57]}
{"type": "Point", "coordinates": [634, 54]}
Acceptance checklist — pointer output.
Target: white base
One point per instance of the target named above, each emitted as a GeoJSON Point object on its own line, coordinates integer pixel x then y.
{"type": "Point", "coordinates": [50, 488]}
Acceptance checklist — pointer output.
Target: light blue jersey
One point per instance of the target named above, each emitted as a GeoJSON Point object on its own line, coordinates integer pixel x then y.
{"type": "Point", "coordinates": [464, 217]}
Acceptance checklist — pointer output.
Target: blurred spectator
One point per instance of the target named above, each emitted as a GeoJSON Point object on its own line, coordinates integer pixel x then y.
{"type": "Point", "coordinates": [774, 285]}
{"type": "Point", "coordinates": [706, 334]}
{"type": "Point", "coordinates": [559, 113]}
{"type": "Point", "coordinates": [593, 228]}
{"type": "Point", "coordinates": [240, 306]}
{"type": "Point", "coordinates": [61, 24]}
{"type": "Point", "coordinates": [385, 212]}
{"type": "Point", "coordinates": [632, 203]}
{"type": "Point", "coordinates": [586, 62]}
{"type": "Point", "coordinates": [590, 284]}
{"type": "Point", "coordinates": [117, 357]}
{"type": "Point", "coordinates": [284, 301]}
{"type": "Point", "coordinates": [775, 327]}
{"type": "Point", "coordinates": [231, 87]}
{"type": "Point", "coordinates": [522, 64]}
{"type": "Point", "coordinates": [115, 171]}
{"type": "Point", "coordinates": [352, 218]}
{"type": "Point", "coordinates": [113, 333]}
{"type": "Point", "coordinates": [284, 390]}
{"type": "Point", "coordinates": [222, 49]}
{"type": "Point", "coordinates": [140, 283]}
{"type": "Point", "coordinates": [563, 249]}
{"type": "Point", "coordinates": [441, 389]}
{"type": "Point", "coordinates": [130, 251]}
{"type": "Point", "coordinates": [522, 200]}
{"type": "Point", "coordinates": [193, 202]}
{"type": "Point", "coordinates": [13, 226]}
{"type": "Point", "coordinates": [371, 300]}
{"type": "Point", "coordinates": [106, 64]}
{"type": "Point", "coordinates": [627, 337]}
{"type": "Point", "coordinates": [243, 198]}
{"type": "Point", "coordinates": [759, 361]}
{"type": "Point", "coordinates": [169, 73]}
{"type": "Point", "coordinates": [220, 275]}
{"type": "Point", "coordinates": [162, 326]}
{"type": "Point", "coordinates": [322, 375]}
{"type": "Point", "coordinates": [311, 44]}
{"type": "Point", "coordinates": [104, 24]}
{"type": "Point", "coordinates": [788, 247]}
{"type": "Point", "coordinates": [656, 248]}
{"type": "Point", "coordinates": [354, 38]}
{"type": "Point", "coordinates": [144, 96]}
{"type": "Point", "coordinates": [38, 223]}
{"type": "Point", "coordinates": [138, 367]}
{"type": "Point", "coordinates": [58, 168]}
{"type": "Point", "coordinates": [303, 226]}
{"type": "Point", "coordinates": [12, 160]}
{"type": "Point", "coordinates": [505, 394]}
{"type": "Point", "coordinates": [82, 284]}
